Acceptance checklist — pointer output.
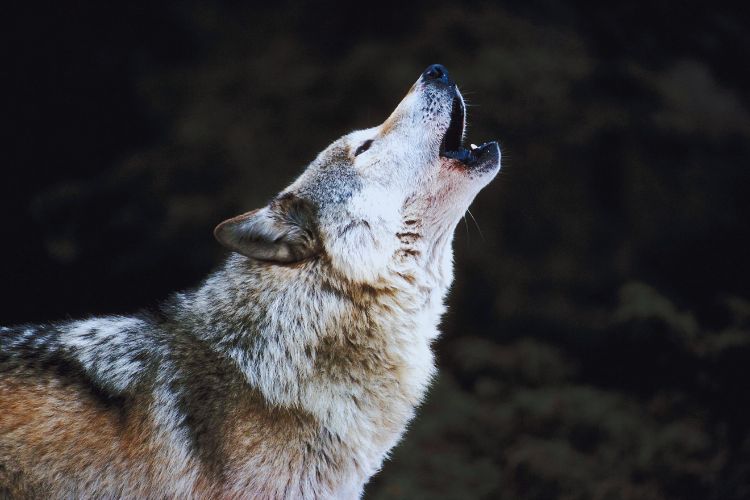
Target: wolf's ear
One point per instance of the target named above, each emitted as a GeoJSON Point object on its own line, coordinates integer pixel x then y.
{"type": "Point", "coordinates": [284, 231]}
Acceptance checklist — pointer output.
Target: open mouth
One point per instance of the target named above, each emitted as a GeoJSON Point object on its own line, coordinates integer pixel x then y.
{"type": "Point", "coordinates": [452, 145]}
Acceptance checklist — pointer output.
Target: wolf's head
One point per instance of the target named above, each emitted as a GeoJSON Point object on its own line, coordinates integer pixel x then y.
{"type": "Point", "coordinates": [380, 200]}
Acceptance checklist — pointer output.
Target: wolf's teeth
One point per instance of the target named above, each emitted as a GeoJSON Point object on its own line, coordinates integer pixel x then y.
{"type": "Point", "coordinates": [473, 146]}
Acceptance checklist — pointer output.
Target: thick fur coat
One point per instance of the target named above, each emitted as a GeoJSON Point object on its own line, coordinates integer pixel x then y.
{"type": "Point", "coordinates": [293, 369]}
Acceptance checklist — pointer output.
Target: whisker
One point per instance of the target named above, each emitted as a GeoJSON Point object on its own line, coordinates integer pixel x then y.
{"type": "Point", "coordinates": [475, 223]}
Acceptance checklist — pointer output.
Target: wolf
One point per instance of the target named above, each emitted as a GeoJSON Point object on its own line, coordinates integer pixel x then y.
{"type": "Point", "coordinates": [293, 369]}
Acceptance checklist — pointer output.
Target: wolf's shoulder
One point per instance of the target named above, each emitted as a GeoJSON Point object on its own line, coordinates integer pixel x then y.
{"type": "Point", "coordinates": [114, 352]}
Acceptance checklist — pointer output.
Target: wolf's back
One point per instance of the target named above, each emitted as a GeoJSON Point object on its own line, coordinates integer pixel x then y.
{"type": "Point", "coordinates": [69, 423]}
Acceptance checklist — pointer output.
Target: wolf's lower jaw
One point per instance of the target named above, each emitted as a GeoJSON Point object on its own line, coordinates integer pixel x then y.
{"type": "Point", "coordinates": [452, 148]}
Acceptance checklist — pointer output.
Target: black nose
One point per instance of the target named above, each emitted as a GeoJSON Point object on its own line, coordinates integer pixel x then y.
{"type": "Point", "coordinates": [437, 72]}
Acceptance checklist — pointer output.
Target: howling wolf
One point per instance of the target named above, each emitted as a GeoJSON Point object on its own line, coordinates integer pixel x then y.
{"type": "Point", "coordinates": [288, 373]}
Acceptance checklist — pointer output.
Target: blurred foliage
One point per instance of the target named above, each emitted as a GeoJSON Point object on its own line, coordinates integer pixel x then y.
{"type": "Point", "coordinates": [657, 412]}
{"type": "Point", "coordinates": [598, 340]}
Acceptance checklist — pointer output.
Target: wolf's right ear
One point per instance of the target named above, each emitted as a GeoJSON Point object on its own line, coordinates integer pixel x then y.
{"type": "Point", "coordinates": [285, 231]}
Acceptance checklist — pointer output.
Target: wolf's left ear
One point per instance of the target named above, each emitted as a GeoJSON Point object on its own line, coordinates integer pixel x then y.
{"type": "Point", "coordinates": [284, 231]}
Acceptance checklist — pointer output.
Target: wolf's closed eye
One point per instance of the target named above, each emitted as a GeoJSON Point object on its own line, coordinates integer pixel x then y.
{"type": "Point", "coordinates": [364, 147]}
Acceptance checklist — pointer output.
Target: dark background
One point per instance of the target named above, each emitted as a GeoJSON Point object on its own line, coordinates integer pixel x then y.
{"type": "Point", "coordinates": [598, 340]}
